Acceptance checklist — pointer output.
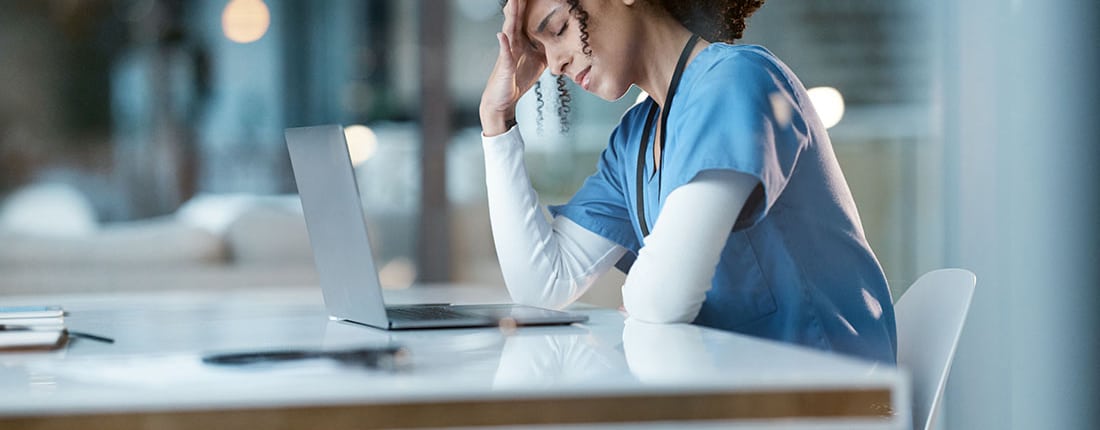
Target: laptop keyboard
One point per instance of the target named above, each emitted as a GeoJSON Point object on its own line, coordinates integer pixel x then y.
{"type": "Point", "coordinates": [426, 313]}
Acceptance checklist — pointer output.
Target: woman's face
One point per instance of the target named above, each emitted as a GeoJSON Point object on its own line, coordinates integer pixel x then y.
{"type": "Point", "coordinates": [555, 32]}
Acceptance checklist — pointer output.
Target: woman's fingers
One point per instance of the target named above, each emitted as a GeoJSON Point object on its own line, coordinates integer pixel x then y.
{"type": "Point", "coordinates": [513, 25]}
{"type": "Point", "coordinates": [506, 60]}
{"type": "Point", "coordinates": [513, 20]}
{"type": "Point", "coordinates": [519, 13]}
{"type": "Point", "coordinates": [509, 18]}
{"type": "Point", "coordinates": [518, 66]}
{"type": "Point", "coordinates": [521, 7]}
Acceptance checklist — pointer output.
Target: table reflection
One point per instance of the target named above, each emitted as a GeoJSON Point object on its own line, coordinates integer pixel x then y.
{"type": "Point", "coordinates": [665, 352]}
{"type": "Point", "coordinates": [652, 352]}
{"type": "Point", "coordinates": [540, 360]}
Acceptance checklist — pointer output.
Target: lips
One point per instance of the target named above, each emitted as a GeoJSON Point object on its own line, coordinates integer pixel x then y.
{"type": "Point", "coordinates": [582, 78]}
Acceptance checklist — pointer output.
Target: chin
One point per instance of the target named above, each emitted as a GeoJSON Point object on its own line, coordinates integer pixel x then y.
{"type": "Point", "coordinates": [612, 95]}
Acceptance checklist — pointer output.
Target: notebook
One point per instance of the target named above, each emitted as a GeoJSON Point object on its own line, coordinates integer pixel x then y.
{"type": "Point", "coordinates": [343, 257]}
{"type": "Point", "coordinates": [31, 328]}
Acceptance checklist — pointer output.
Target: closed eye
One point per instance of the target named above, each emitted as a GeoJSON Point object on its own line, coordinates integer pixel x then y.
{"type": "Point", "coordinates": [563, 27]}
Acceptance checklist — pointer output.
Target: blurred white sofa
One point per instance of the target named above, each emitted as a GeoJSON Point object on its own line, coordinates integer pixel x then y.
{"type": "Point", "coordinates": [51, 243]}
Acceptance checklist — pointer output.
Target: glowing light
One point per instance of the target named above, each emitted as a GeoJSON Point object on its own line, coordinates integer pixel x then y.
{"type": "Point", "coordinates": [361, 143]}
{"type": "Point", "coordinates": [828, 103]}
{"type": "Point", "coordinates": [245, 21]}
{"type": "Point", "coordinates": [398, 273]}
{"type": "Point", "coordinates": [507, 326]}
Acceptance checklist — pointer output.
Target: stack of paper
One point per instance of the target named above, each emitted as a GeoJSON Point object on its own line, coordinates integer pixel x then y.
{"type": "Point", "coordinates": [31, 327]}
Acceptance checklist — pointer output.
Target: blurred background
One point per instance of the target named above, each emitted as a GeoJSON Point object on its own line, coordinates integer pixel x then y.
{"type": "Point", "coordinates": [141, 148]}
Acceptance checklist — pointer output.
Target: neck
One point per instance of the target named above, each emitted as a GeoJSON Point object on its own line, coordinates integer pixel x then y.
{"type": "Point", "coordinates": [662, 43]}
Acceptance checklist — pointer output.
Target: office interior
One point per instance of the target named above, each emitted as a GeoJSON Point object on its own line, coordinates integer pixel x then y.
{"type": "Point", "coordinates": [141, 147]}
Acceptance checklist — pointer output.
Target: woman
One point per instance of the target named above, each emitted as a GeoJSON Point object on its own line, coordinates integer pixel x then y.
{"type": "Point", "coordinates": [720, 193]}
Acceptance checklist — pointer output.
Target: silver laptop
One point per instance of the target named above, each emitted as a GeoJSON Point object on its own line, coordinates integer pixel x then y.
{"type": "Point", "coordinates": [342, 254]}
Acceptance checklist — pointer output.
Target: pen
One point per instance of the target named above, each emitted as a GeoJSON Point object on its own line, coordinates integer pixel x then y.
{"type": "Point", "coordinates": [82, 335]}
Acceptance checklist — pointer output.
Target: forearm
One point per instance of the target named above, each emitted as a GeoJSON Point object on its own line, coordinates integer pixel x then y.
{"type": "Point", "coordinates": [669, 280]}
{"type": "Point", "coordinates": [543, 263]}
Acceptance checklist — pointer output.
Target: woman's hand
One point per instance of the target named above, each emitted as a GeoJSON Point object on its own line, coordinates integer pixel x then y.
{"type": "Point", "coordinates": [517, 69]}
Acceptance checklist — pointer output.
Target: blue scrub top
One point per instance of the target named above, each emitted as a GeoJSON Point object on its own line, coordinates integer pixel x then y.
{"type": "Point", "coordinates": [796, 267]}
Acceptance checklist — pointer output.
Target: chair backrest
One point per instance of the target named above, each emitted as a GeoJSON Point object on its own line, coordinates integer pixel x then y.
{"type": "Point", "coordinates": [930, 317]}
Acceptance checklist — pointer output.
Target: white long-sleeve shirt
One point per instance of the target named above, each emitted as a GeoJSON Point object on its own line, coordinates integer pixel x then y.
{"type": "Point", "coordinates": [552, 263]}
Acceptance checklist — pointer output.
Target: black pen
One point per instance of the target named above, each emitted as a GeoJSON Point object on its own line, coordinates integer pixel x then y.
{"type": "Point", "coordinates": [82, 335]}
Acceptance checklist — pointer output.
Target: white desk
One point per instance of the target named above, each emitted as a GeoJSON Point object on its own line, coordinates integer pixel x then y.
{"type": "Point", "coordinates": [600, 372]}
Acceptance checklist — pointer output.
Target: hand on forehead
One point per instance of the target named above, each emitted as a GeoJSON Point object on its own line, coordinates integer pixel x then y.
{"type": "Point", "coordinates": [533, 16]}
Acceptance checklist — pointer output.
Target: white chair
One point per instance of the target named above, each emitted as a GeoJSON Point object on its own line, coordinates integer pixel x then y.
{"type": "Point", "coordinates": [930, 317]}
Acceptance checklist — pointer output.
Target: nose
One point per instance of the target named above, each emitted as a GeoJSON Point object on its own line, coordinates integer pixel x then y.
{"type": "Point", "coordinates": [558, 60]}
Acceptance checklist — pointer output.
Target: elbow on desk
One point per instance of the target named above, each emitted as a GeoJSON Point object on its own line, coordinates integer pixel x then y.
{"type": "Point", "coordinates": [658, 317]}
{"type": "Point", "coordinates": [655, 309]}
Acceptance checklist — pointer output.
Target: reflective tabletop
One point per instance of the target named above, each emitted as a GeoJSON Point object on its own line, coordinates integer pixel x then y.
{"type": "Point", "coordinates": [609, 369]}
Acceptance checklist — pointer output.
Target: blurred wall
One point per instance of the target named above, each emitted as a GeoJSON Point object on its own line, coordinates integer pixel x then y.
{"type": "Point", "coordinates": [1019, 104]}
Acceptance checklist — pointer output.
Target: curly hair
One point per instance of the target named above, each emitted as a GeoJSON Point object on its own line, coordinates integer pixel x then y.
{"type": "Point", "coordinates": [713, 20]}
{"type": "Point", "coordinates": [564, 98]}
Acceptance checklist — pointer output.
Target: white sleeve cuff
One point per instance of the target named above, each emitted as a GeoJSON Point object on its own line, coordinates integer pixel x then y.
{"type": "Point", "coordinates": [512, 137]}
